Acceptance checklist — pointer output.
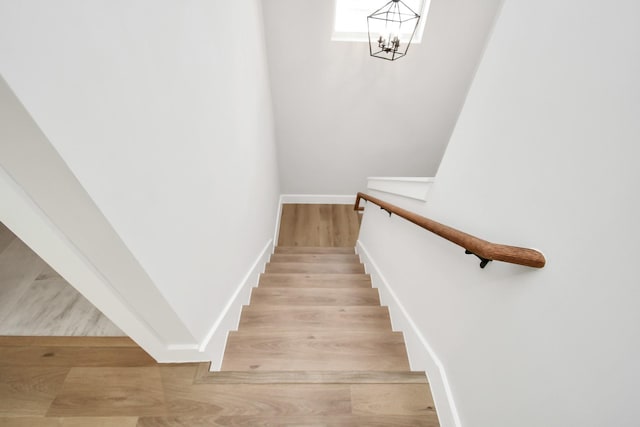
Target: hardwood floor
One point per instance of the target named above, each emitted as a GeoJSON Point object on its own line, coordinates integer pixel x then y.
{"type": "Point", "coordinates": [313, 348]}
{"type": "Point", "coordinates": [53, 389]}
{"type": "Point", "coordinates": [35, 300]}
{"type": "Point", "coordinates": [318, 225]}
{"type": "Point", "coordinates": [315, 319]}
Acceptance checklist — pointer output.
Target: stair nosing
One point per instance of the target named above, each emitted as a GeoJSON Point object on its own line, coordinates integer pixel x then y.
{"type": "Point", "coordinates": [204, 376]}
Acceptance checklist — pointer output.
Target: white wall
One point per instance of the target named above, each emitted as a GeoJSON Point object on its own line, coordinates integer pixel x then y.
{"type": "Point", "coordinates": [162, 111]}
{"type": "Point", "coordinates": [67, 230]}
{"type": "Point", "coordinates": [342, 116]}
{"type": "Point", "coordinates": [544, 155]}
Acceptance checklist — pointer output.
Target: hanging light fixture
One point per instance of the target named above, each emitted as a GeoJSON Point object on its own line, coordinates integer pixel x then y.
{"type": "Point", "coordinates": [391, 29]}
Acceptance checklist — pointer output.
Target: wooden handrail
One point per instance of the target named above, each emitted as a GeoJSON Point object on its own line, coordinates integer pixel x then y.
{"type": "Point", "coordinates": [484, 250]}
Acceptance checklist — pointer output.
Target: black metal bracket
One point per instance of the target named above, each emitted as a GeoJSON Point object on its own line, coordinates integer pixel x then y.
{"type": "Point", "coordinates": [483, 261]}
{"type": "Point", "coordinates": [388, 211]}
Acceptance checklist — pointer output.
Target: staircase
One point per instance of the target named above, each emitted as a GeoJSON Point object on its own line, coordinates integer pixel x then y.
{"type": "Point", "coordinates": [315, 320]}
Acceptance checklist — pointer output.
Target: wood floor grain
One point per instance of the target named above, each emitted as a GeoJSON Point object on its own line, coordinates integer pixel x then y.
{"type": "Point", "coordinates": [314, 297]}
{"type": "Point", "coordinates": [6, 237]}
{"type": "Point", "coordinates": [35, 300]}
{"type": "Point", "coordinates": [29, 390]}
{"type": "Point", "coordinates": [389, 399]}
{"type": "Point", "coordinates": [185, 397]}
{"type": "Point", "coordinates": [322, 318]}
{"type": "Point", "coordinates": [314, 348]}
{"type": "Point", "coordinates": [170, 395]}
{"type": "Point", "coordinates": [66, 356]}
{"type": "Point", "coordinates": [317, 258]}
{"type": "Point", "coordinates": [313, 268]}
{"type": "Point", "coordinates": [311, 377]}
{"type": "Point", "coordinates": [19, 267]}
{"type": "Point", "coordinates": [315, 319]}
{"type": "Point", "coordinates": [38, 341]}
{"type": "Point", "coordinates": [303, 280]}
{"type": "Point", "coordinates": [110, 392]}
{"type": "Point", "coordinates": [318, 225]}
{"type": "Point", "coordinates": [313, 250]}
{"type": "Point", "coordinates": [68, 422]}
{"type": "Point", "coordinates": [291, 421]}
{"type": "Point", "coordinates": [300, 351]}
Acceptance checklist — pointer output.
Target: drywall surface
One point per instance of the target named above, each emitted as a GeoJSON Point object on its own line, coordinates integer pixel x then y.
{"type": "Point", "coordinates": [162, 111]}
{"type": "Point", "coordinates": [342, 115]}
{"type": "Point", "coordinates": [68, 231]}
{"type": "Point", "coordinates": [544, 155]}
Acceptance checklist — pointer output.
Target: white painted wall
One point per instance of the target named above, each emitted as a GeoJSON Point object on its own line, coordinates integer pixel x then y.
{"type": "Point", "coordinates": [342, 116]}
{"type": "Point", "coordinates": [412, 187]}
{"type": "Point", "coordinates": [162, 111]}
{"type": "Point", "coordinates": [43, 203]}
{"type": "Point", "coordinates": [544, 155]}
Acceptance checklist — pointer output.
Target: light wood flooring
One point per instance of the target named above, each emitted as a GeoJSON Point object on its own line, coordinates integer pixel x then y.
{"type": "Point", "coordinates": [313, 348]}
{"type": "Point", "coordinates": [319, 225]}
{"type": "Point", "coordinates": [83, 382]}
{"type": "Point", "coordinates": [35, 300]}
{"type": "Point", "coordinates": [315, 319]}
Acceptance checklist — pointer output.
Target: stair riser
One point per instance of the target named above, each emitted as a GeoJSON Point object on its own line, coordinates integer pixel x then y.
{"type": "Point", "coordinates": [310, 377]}
{"type": "Point", "coordinates": [293, 280]}
{"type": "Point", "coordinates": [314, 297]}
{"type": "Point", "coordinates": [322, 258]}
{"type": "Point", "coordinates": [312, 250]}
{"type": "Point", "coordinates": [311, 268]}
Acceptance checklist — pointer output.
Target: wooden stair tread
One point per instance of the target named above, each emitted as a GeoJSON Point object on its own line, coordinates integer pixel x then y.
{"type": "Point", "coordinates": [309, 267]}
{"type": "Point", "coordinates": [319, 351]}
{"type": "Point", "coordinates": [310, 318]}
{"type": "Point", "coordinates": [428, 419]}
{"type": "Point", "coordinates": [295, 280]}
{"type": "Point", "coordinates": [317, 258]}
{"type": "Point", "coordinates": [315, 319]}
{"type": "Point", "coordinates": [309, 377]}
{"type": "Point", "coordinates": [315, 296]}
{"type": "Point", "coordinates": [313, 250]}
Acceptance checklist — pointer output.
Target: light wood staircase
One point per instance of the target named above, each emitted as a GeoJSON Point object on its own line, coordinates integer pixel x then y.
{"type": "Point", "coordinates": [315, 319]}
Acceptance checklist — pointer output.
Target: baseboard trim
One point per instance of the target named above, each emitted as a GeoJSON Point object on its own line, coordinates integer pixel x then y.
{"type": "Point", "coordinates": [276, 234]}
{"type": "Point", "coordinates": [216, 340]}
{"type": "Point", "coordinates": [421, 354]}
{"type": "Point", "coordinates": [329, 199]}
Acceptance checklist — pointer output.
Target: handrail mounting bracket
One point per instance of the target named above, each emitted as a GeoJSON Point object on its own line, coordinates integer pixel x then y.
{"type": "Point", "coordinates": [483, 261]}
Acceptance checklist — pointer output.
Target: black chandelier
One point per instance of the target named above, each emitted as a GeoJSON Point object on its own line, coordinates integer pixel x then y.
{"type": "Point", "coordinates": [391, 29]}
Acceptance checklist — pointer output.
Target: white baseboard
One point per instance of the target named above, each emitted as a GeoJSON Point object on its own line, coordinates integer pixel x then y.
{"type": "Point", "coordinates": [276, 234]}
{"type": "Point", "coordinates": [421, 355]}
{"type": "Point", "coordinates": [216, 340]}
{"type": "Point", "coordinates": [329, 199]}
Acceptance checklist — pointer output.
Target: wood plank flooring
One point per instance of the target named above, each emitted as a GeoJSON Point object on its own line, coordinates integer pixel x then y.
{"type": "Point", "coordinates": [317, 268]}
{"type": "Point", "coordinates": [318, 225]}
{"type": "Point", "coordinates": [313, 348]}
{"type": "Point", "coordinates": [46, 393]}
{"type": "Point", "coordinates": [315, 296]}
{"type": "Point", "coordinates": [320, 318]}
{"type": "Point", "coordinates": [314, 319]}
{"type": "Point", "coordinates": [35, 300]}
